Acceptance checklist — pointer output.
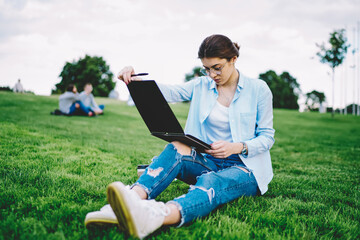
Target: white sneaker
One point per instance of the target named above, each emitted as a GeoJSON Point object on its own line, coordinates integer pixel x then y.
{"type": "Point", "coordinates": [105, 216]}
{"type": "Point", "coordinates": [139, 217]}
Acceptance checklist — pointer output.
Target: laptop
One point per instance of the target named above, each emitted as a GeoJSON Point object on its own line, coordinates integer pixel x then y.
{"type": "Point", "coordinates": [158, 116]}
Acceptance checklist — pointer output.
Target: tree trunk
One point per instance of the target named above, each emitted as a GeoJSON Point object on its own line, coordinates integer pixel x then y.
{"type": "Point", "coordinates": [333, 93]}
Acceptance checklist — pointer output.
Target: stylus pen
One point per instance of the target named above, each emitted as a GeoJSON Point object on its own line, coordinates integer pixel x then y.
{"type": "Point", "coordinates": [139, 74]}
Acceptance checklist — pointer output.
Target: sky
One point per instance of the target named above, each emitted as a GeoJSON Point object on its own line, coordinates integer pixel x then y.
{"type": "Point", "coordinates": [161, 37]}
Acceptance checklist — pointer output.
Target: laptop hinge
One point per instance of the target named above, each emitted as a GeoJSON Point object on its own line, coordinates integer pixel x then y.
{"type": "Point", "coordinates": [167, 134]}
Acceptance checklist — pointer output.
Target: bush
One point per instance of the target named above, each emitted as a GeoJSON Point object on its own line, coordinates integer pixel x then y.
{"type": "Point", "coordinates": [6, 89]}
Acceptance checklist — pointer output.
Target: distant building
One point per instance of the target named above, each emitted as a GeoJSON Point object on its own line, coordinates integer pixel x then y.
{"type": "Point", "coordinates": [322, 108]}
{"type": "Point", "coordinates": [114, 94]}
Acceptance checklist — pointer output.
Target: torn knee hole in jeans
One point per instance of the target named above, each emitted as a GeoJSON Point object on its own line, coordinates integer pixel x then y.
{"type": "Point", "coordinates": [244, 169]}
{"type": "Point", "coordinates": [154, 172]}
{"type": "Point", "coordinates": [210, 192]}
{"type": "Point", "coordinates": [181, 148]}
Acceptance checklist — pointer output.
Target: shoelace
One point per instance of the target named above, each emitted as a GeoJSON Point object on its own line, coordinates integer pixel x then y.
{"type": "Point", "coordinates": [155, 208]}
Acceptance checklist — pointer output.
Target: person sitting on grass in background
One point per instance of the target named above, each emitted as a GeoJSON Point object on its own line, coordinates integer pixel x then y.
{"type": "Point", "coordinates": [229, 110]}
{"type": "Point", "coordinates": [87, 98]}
{"type": "Point", "coordinates": [70, 104]}
{"type": "Point", "coordinates": [18, 88]}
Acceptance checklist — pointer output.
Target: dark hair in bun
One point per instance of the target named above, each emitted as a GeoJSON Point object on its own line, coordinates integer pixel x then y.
{"type": "Point", "coordinates": [218, 46]}
{"type": "Point", "coordinates": [70, 88]}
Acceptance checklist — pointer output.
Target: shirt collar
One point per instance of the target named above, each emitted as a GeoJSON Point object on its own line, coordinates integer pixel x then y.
{"type": "Point", "coordinates": [240, 82]}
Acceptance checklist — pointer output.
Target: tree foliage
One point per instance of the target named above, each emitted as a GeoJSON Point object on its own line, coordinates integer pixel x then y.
{"type": "Point", "coordinates": [333, 54]}
{"type": "Point", "coordinates": [335, 51]}
{"type": "Point", "coordinates": [92, 70]}
{"type": "Point", "coordinates": [284, 87]}
{"type": "Point", "coordinates": [314, 99]}
{"type": "Point", "coordinates": [6, 89]}
{"type": "Point", "coordinates": [350, 107]}
{"type": "Point", "coordinates": [196, 72]}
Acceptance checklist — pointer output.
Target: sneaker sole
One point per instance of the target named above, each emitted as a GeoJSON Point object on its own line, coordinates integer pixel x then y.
{"type": "Point", "coordinates": [115, 196]}
{"type": "Point", "coordinates": [99, 222]}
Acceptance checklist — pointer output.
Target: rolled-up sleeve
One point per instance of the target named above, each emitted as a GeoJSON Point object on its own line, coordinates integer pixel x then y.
{"type": "Point", "coordinates": [264, 132]}
{"type": "Point", "coordinates": [93, 103]}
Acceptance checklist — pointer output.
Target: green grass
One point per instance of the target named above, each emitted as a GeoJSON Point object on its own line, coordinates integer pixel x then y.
{"type": "Point", "coordinates": [55, 169]}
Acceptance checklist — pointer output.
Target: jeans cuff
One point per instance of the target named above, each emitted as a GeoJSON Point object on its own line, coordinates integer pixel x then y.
{"type": "Point", "coordinates": [143, 187]}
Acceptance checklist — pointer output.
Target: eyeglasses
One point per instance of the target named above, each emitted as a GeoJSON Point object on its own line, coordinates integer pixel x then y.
{"type": "Point", "coordinates": [217, 70]}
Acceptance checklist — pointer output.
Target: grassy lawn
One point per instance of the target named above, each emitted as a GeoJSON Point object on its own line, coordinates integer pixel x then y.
{"type": "Point", "coordinates": [55, 169]}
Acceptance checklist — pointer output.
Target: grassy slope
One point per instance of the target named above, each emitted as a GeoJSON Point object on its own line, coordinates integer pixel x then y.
{"type": "Point", "coordinates": [55, 169]}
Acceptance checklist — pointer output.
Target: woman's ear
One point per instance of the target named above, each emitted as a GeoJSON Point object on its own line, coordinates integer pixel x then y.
{"type": "Point", "coordinates": [233, 59]}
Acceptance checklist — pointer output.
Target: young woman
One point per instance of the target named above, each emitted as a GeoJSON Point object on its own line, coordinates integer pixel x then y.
{"type": "Point", "coordinates": [228, 110]}
{"type": "Point", "coordinates": [70, 104]}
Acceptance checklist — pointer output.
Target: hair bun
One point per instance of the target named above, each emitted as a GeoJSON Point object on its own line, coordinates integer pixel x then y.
{"type": "Point", "coordinates": [218, 46]}
{"type": "Point", "coordinates": [236, 45]}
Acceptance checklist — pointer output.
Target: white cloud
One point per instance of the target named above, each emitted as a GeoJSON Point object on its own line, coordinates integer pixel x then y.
{"type": "Point", "coordinates": [37, 37]}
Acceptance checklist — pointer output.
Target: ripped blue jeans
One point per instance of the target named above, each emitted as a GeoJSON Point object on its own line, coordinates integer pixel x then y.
{"type": "Point", "coordinates": [212, 181]}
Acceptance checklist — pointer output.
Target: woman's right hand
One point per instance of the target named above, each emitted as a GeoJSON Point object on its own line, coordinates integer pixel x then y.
{"type": "Point", "coordinates": [125, 74]}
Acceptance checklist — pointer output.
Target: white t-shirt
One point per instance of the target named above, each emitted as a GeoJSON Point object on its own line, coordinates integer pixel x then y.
{"type": "Point", "coordinates": [217, 124]}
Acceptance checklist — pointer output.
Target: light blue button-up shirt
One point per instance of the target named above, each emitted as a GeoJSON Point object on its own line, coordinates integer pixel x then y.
{"type": "Point", "coordinates": [250, 116]}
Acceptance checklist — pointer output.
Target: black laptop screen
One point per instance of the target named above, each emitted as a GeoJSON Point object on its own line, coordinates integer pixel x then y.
{"type": "Point", "coordinates": [153, 107]}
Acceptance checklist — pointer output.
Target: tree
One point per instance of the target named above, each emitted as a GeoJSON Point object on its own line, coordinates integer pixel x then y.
{"type": "Point", "coordinates": [6, 89]}
{"type": "Point", "coordinates": [196, 72]}
{"type": "Point", "coordinates": [92, 70]}
{"type": "Point", "coordinates": [333, 55]}
{"type": "Point", "coordinates": [284, 88]}
{"type": "Point", "coordinates": [314, 100]}
{"type": "Point", "coordinates": [351, 108]}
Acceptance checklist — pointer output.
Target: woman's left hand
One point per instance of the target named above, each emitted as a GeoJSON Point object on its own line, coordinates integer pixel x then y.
{"type": "Point", "coordinates": [222, 149]}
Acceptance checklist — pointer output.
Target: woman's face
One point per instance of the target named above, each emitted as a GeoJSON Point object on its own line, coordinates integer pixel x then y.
{"type": "Point", "coordinates": [219, 69]}
{"type": "Point", "coordinates": [88, 88]}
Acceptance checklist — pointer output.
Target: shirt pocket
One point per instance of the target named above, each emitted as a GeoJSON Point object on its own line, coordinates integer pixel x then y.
{"type": "Point", "coordinates": [248, 125]}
